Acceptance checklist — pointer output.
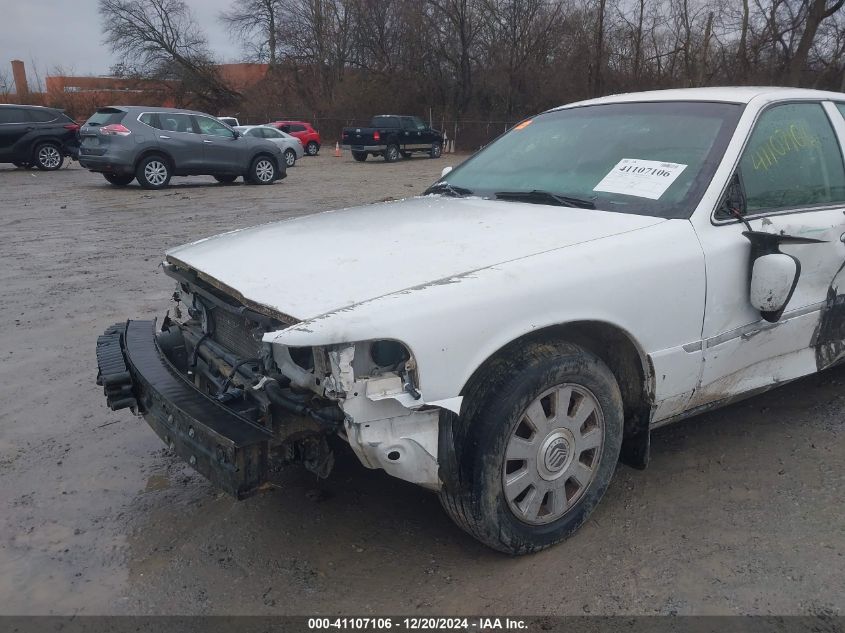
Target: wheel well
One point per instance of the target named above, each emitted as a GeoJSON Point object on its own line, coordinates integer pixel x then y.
{"type": "Point", "coordinates": [618, 350]}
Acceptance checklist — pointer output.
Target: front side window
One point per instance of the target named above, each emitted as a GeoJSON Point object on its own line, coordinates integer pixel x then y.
{"type": "Point", "coordinates": [792, 160]}
{"type": "Point", "coordinates": [212, 127]}
{"type": "Point", "coordinates": [649, 158]}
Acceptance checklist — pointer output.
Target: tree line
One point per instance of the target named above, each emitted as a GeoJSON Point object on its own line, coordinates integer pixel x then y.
{"type": "Point", "coordinates": [482, 59]}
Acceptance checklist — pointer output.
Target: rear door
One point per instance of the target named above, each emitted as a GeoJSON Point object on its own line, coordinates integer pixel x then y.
{"type": "Point", "coordinates": [177, 136]}
{"type": "Point", "coordinates": [14, 125]}
{"type": "Point", "coordinates": [222, 152]}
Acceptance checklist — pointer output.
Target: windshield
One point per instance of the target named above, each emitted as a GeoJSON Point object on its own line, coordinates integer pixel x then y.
{"type": "Point", "coordinates": [644, 158]}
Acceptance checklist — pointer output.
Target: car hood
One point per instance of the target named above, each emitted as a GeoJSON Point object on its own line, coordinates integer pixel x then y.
{"type": "Point", "coordinates": [310, 265]}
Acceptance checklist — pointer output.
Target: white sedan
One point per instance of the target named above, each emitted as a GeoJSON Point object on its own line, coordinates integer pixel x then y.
{"type": "Point", "coordinates": [506, 338]}
{"type": "Point", "coordinates": [291, 146]}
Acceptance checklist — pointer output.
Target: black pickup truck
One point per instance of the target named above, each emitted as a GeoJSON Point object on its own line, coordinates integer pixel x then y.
{"type": "Point", "coordinates": [392, 136]}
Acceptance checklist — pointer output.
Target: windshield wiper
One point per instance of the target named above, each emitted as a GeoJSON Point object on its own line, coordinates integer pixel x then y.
{"type": "Point", "coordinates": [448, 189]}
{"type": "Point", "coordinates": [538, 196]}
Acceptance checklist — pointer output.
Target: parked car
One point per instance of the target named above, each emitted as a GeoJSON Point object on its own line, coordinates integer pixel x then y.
{"type": "Point", "coordinates": [229, 120]}
{"type": "Point", "coordinates": [291, 147]}
{"type": "Point", "coordinates": [392, 136]}
{"type": "Point", "coordinates": [154, 144]}
{"type": "Point", "coordinates": [601, 269]}
{"type": "Point", "coordinates": [35, 136]}
{"type": "Point", "coordinates": [302, 130]}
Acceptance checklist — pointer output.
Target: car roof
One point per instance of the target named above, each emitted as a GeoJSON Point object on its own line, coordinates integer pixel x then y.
{"type": "Point", "coordinates": [26, 105]}
{"type": "Point", "coordinates": [731, 94]}
{"type": "Point", "coordinates": [292, 121]}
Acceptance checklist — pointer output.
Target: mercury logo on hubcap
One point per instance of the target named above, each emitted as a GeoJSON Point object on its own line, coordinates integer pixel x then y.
{"type": "Point", "coordinates": [556, 455]}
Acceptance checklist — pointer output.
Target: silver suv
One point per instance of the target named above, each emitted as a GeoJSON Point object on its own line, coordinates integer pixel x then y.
{"type": "Point", "coordinates": [154, 144]}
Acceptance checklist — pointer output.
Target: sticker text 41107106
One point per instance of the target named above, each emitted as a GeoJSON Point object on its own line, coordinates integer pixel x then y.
{"type": "Point", "coordinates": [641, 178]}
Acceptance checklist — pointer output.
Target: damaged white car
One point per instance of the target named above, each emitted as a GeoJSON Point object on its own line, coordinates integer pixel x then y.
{"type": "Point", "coordinates": [507, 337]}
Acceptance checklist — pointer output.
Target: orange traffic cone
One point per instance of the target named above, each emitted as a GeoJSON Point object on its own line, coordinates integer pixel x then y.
{"type": "Point", "coordinates": [337, 150]}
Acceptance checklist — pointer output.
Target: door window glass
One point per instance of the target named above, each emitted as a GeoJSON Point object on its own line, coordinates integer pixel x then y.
{"type": "Point", "coordinates": [175, 122]}
{"type": "Point", "coordinates": [212, 127]}
{"type": "Point", "coordinates": [269, 132]}
{"type": "Point", "coordinates": [297, 128]}
{"type": "Point", "coordinates": [43, 116]}
{"type": "Point", "coordinates": [792, 160]}
{"type": "Point", "coordinates": [12, 115]}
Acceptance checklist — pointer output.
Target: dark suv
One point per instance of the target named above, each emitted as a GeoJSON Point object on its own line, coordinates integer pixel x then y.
{"type": "Point", "coordinates": [34, 136]}
{"type": "Point", "coordinates": [154, 144]}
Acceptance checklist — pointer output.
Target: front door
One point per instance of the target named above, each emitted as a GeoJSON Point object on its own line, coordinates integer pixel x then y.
{"type": "Point", "coordinates": [793, 178]}
{"type": "Point", "coordinates": [222, 153]}
{"type": "Point", "coordinates": [413, 137]}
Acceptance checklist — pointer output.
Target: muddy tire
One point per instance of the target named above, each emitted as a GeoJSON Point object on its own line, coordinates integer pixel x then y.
{"type": "Point", "coordinates": [153, 172]}
{"type": "Point", "coordinates": [436, 150]}
{"type": "Point", "coordinates": [119, 180]}
{"type": "Point", "coordinates": [534, 448]}
{"type": "Point", "coordinates": [226, 179]}
{"type": "Point", "coordinates": [392, 154]}
{"type": "Point", "coordinates": [359, 156]}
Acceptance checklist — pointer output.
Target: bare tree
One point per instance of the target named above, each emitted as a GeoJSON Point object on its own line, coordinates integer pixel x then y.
{"type": "Point", "coordinates": [160, 39]}
{"type": "Point", "coordinates": [814, 12]}
{"type": "Point", "coordinates": [255, 24]}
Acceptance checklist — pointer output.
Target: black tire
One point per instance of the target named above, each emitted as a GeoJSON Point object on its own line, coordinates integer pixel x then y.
{"type": "Point", "coordinates": [226, 179]}
{"type": "Point", "coordinates": [119, 180]}
{"type": "Point", "coordinates": [290, 157]}
{"type": "Point", "coordinates": [495, 409]}
{"type": "Point", "coordinates": [262, 171]}
{"type": "Point", "coordinates": [312, 148]}
{"type": "Point", "coordinates": [154, 172]}
{"type": "Point", "coordinates": [360, 156]}
{"type": "Point", "coordinates": [392, 154]}
{"type": "Point", "coordinates": [436, 150]}
{"type": "Point", "coordinates": [48, 156]}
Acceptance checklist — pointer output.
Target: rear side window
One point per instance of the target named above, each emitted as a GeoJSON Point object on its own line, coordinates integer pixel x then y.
{"type": "Point", "coordinates": [792, 160]}
{"type": "Point", "coordinates": [296, 127]}
{"type": "Point", "coordinates": [106, 116]}
{"type": "Point", "coordinates": [13, 115]}
{"type": "Point", "coordinates": [42, 115]}
{"type": "Point", "coordinates": [269, 132]}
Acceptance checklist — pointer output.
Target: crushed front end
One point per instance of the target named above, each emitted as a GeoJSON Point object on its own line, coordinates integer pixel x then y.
{"type": "Point", "coordinates": [238, 407]}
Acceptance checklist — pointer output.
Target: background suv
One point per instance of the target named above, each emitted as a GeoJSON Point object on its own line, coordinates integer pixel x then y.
{"type": "Point", "coordinates": [302, 130]}
{"type": "Point", "coordinates": [154, 144]}
{"type": "Point", "coordinates": [33, 136]}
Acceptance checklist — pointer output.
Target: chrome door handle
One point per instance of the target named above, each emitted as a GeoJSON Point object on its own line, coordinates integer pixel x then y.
{"type": "Point", "coordinates": [163, 136]}
{"type": "Point", "coordinates": [207, 141]}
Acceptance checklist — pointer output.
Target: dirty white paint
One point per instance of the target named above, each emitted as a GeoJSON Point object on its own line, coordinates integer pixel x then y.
{"type": "Point", "coordinates": [455, 280]}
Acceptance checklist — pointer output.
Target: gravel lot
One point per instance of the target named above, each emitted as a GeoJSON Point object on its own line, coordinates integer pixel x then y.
{"type": "Point", "coordinates": [740, 511]}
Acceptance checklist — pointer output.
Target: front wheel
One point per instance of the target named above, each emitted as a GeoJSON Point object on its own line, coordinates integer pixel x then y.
{"type": "Point", "coordinates": [359, 156]}
{"type": "Point", "coordinates": [391, 154]}
{"type": "Point", "coordinates": [312, 148]}
{"type": "Point", "coordinates": [535, 448]}
{"type": "Point", "coordinates": [262, 171]}
{"type": "Point", "coordinates": [153, 172]}
{"type": "Point", "coordinates": [48, 157]}
{"type": "Point", "coordinates": [119, 180]}
{"type": "Point", "coordinates": [436, 150]}
{"type": "Point", "coordinates": [290, 157]}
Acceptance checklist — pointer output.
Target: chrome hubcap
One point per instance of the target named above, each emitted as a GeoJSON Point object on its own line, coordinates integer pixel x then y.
{"type": "Point", "coordinates": [264, 171]}
{"type": "Point", "coordinates": [49, 156]}
{"type": "Point", "coordinates": [553, 454]}
{"type": "Point", "coordinates": [156, 173]}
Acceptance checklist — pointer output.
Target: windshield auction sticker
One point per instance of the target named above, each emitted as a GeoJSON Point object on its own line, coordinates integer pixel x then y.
{"type": "Point", "coordinates": [641, 178]}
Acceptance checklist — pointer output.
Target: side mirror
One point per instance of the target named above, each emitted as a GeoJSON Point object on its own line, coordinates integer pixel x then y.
{"type": "Point", "coordinates": [445, 171]}
{"type": "Point", "coordinates": [236, 133]}
{"type": "Point", "coordinates": [773, 280]}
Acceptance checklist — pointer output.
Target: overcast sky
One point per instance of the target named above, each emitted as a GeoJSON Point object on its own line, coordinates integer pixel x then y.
{"type": "Point", "coordinates": [66, 33]}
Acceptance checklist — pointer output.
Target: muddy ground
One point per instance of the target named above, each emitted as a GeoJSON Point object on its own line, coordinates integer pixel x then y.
{"type": "Point", "coordinates": [740, 511]}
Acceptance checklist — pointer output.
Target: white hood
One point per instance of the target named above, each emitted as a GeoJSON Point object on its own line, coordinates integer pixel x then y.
{"type": "Point", "coordinates": [310, 265]}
